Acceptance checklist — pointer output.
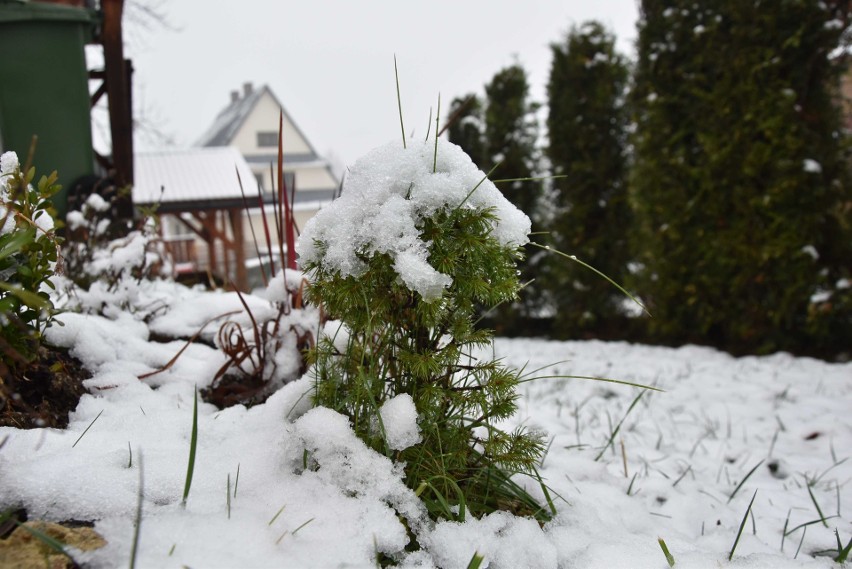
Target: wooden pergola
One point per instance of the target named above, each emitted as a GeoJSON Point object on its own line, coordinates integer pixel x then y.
{"type": "Point", "coordinates": [220, 225]}
{"type": "Point", "coordinates": [208, 190]}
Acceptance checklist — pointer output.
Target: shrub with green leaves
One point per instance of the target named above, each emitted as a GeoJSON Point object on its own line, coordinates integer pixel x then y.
{"type": "Point", "coordinates": [418, 240]}
{"type": "Point", "coordinates": [28, 254]}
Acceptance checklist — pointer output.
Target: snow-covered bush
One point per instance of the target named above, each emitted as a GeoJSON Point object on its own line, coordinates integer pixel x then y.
{"type": "Point", "coordinates": [28, 254]}
{"type": "Point", "coordinates": [92, 253]}
{"type": "Point", "coordinates": [105, 271]}
{"type": "Point", "coordinates": [417, 242]}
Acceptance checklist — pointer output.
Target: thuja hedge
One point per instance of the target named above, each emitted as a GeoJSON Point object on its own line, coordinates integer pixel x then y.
{"type": "Point", "coordinates": [740, 184]}
{"type": "Point", "coordinates": [587, 128]}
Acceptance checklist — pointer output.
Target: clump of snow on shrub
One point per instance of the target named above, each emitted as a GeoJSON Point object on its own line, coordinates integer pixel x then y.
{"type": "Point", "coordinates": [9, 165]}
{"type": "Point", "coordinates": [399, 418]}
{"type": "Point", "coordinates": [387, 195]}
{"type": "Point", "coordinates": [282, 287]}
{"type": "Point", "coordinates": [344, 461]}
{"type": "Point", "coordinates": [811, 166]}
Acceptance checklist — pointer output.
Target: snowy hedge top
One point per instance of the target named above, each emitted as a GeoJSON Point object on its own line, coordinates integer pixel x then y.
{"type": "Point", "coordinates": [387, 194]}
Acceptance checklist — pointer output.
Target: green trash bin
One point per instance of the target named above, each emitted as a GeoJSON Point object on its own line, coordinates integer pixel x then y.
{"type": "Point", "coordinates": [44, 88]}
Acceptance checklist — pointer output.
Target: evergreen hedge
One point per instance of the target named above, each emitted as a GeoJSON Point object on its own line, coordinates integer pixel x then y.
{"type": "Point", "coordinates": [587, 128]}
{"type": "Point", "coordinates": [741, 185]}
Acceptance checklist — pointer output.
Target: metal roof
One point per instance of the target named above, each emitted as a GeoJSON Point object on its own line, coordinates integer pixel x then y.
{"type": "Point", "coordinates": [203, 177]}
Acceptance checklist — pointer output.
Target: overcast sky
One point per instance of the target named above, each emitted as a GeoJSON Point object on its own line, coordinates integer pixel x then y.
{"type": "Point", "coordinates": [330, 62]}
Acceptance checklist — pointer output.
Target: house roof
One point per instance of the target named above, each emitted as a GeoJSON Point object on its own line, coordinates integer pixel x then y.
{"type": "Point", "coordinates": [231, 118]}
{"type": "Point", "coordinates": [193, 178]}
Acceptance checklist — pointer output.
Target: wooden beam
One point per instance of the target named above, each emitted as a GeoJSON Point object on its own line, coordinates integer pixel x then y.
{"type": "Point", "coordinates": [117, 80]}
{"type": "Point", "coordinates": [210, 237]}
{"type": "Point", "coordinates": [236, 216]}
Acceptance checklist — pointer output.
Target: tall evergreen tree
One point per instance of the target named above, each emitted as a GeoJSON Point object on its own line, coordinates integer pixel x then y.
{"type": "Point", "coordinates": [511, 133]}
{"type": "Point", "coordinates": [740, 174]}
{"type": "Point", "coordinates": [467, 127]}
{"type": "Point", "coordinates": [586, 126]}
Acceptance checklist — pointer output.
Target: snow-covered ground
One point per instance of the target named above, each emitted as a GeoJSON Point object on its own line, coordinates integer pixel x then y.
{"type": "Point", "coordinates": [283, 484]}
{"type": "Point", "coordinates": [686, 448]}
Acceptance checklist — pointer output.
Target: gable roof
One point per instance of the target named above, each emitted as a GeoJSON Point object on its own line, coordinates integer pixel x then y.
{"type": "Point", "coordinates": [193, 178]}
{"type": "Point", "coordinates": [231, 118]}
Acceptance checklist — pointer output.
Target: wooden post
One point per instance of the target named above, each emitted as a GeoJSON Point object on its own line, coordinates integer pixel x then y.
{"type": "Point", "coordinates": [236, 216]}
{"type": "Point", "coordinates": [117, 80]}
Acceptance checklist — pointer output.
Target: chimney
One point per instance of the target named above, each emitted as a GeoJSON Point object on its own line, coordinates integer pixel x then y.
{"type": "Point", "coordinates": [247, 88]}
{"type": "Point", "coordinates": [235, 96]}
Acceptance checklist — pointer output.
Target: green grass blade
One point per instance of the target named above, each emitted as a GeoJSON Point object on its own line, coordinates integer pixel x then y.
{"type": "Point", "coordinates": [228, 495]}
{"type": "Point", "coordinates": [545, 491]}
{"type": "Point", "coordinates": [301, 526]}
{"type": "Point", "coordinates": [806, 524]}
{"type": "Point", "coordinates": [669, 557]}
{"type": "Point", "coordinates": [399, 101]}
{"type": "Point", "coordinates": [87, 429]}
{"type": "Point", "coordinates": [743, 481]}
{"type": "Point", "coordinates": [533, 179]}
{"type": "Point", "coordinates": [442, 501]}
{"type": "Point", "coordinates": [594, 270]}
{"type": "Point", "coordinates": [137, 525]}
{"type": "Point", "coordinates": [475, 561]}
{"type": "Point", "coordinates": [193, 445]}
{"type": "Point", "coordinates": [742, 526]}
{"type": "Point", "coordinates": [470, 193]}
{"type": "Point", "coordinates": [801, 541]}
{"type": "Point", "coordinates": [275, 517]}
{"type": "Point", "coordinates": [603, 379]}
{"type": "Point", "coordinates": [816, 505]}
{"type": "Point", "coordinates": [237, 480]}
{"type": "Point", "coordinates": [437, 118]}
{"type": "Point", "coordinates": [428, 128]}
{"type": "Point", "coordinates": [618, 427]}
{"type": "Point", "coordinates": [630, 486]}
{"type": "Point", "coordinates": [843, 554]}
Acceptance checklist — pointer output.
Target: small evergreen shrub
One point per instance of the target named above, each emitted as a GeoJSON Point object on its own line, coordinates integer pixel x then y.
{"type": "Point", "coordinates": [418, 240]}
{"type": "Point", "coordinates": [29, 250]}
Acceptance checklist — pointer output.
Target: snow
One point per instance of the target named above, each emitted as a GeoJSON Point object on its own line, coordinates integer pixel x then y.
{"type": "Point", "coordinates": [810, 251]}
{"type": "Point", "coordinates": [399, 419]}
{"type": "Point", "coordinates": [686, 450]}
{"type": "Point", "coordinates": [811, 166]}
{"type": "Point", "coordinates": [385, 198]}
{"type": "Point", "coordinates": [287, 484]}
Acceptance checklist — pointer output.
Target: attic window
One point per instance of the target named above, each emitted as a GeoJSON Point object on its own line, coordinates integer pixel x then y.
{"type": "Point", "coordinates": [267, 139]}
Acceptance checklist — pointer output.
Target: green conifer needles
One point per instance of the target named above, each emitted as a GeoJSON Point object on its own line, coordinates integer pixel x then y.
{"type": "Point", "coordinates": [407, 297]}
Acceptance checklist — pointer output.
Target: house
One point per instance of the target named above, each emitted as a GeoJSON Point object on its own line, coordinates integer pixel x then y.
{"type": "Point", "coordinates": [250, 124]}
{"type": "Point", "coordinates": [208, 196]}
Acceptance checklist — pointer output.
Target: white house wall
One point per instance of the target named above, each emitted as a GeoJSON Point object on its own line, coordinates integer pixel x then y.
{"type": "Point", "coordinates": [314, 179]}
{"type": "Point", "coordinates": [264, 118]}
